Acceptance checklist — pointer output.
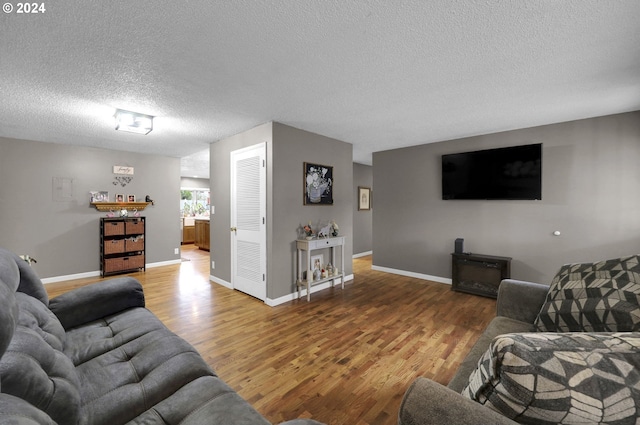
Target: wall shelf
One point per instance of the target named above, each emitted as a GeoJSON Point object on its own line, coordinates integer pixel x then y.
{"type": "Point", "coordinates": [114, 206]}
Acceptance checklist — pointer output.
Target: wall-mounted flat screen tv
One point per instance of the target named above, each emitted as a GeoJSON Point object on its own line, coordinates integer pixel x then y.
{"type": "Point", "coordinates": [513, 173]}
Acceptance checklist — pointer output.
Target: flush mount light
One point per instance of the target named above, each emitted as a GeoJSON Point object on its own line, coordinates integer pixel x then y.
{"type": "Point", "coordinates": [133, 122]}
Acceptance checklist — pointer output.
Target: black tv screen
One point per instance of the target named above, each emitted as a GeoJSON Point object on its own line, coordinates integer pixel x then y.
{"type": "Point", "coordinates": [513, 173]}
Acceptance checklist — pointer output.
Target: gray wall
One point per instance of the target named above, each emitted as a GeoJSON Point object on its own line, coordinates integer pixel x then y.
{"type": "Point", "coordinates": [362, 220]}
{"type": "Point", "coordinates": [63, 235]}
{"type": "Point", "coordinates": [219, 175]}
{"type": "Point", "coordinates": [291, 148]}
{"type": "Point", "coordinates": [590, 194]}
{"type": "Point", "coordinates": [287, 149]}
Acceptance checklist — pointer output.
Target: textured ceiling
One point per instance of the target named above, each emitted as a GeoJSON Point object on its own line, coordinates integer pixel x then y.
{"type": "Point", "coordinates": [378, 74]}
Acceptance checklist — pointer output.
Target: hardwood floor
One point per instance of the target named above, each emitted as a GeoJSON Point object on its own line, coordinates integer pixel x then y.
{"type": "Point", "coordinates": [346, 357]}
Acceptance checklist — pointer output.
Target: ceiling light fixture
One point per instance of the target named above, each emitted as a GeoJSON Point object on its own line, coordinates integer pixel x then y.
{"type": "Point", "coordinates": [133, 122]}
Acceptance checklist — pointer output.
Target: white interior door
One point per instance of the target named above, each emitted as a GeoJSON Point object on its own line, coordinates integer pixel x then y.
{"type": "Point", "coordinates": [248, 220]}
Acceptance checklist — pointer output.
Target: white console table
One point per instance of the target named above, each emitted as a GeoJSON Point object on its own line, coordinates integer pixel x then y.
{"type": "Point", "coordinates": [314, 244]}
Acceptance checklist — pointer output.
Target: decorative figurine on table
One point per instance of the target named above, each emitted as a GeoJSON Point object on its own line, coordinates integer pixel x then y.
{"type": "Point", "coordinates": [335, 230]}
{"type": "Point", "coordinates": [124, 212]}
{"type": "Point", "coordinates": [308, 231]}
{"type": "Point", "coordinates": [329, 269]}
{"type": "Point", "coordinates": [325, 232]}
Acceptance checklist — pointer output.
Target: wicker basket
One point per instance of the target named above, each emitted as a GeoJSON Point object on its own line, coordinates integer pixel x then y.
{"type": "Point", "coordinates": [123, 263]}
{"type": "Point", "coordinates": [113, 228]}
{"type": "Point", "coordinates": [135, 244]}
{"type": "Point", "coordinates": [113, 265]}
{"type": "Point", "coordinates": [133, 262]}
{"type": "Point", "coordinates": [135, 227]}
{"type": "Point", "coordinates": [114, 246]}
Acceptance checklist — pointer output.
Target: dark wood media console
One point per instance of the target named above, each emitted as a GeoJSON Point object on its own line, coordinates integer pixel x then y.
{"type": "Point", "coordinates": [479, 274]}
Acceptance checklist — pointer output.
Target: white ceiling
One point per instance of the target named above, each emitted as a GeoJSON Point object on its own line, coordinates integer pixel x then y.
{"type": "Point", "coordinates": [379, 74]}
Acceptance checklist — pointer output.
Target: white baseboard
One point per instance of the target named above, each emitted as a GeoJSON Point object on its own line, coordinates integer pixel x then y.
{"type": "Point", "coordinates": [287, 298]}
{"type": "Point", "coordinates": [97, 273]}
{"type": "Point", "coordinates": [70, 277]}
{"type": "Point", "coordinates": [438, 279]}
{"type": "Point", "coordinates": [163, 263]}
{"type": "Point", "coordinates": [303, 292]}
{"type": "Point", "coordinates": [220, 281]}
{"type": "Point", "coordinates": [362, 254]}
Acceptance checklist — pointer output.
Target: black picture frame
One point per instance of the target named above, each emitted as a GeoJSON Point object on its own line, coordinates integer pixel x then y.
{"type": "Point", "coordinates": [317, 183]}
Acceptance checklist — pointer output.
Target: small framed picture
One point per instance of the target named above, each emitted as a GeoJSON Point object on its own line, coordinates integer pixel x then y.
{"type": "Point", "coordinates": [119, 197]}
{"type": "Point", "coordinates": [99, 196]}
{"type": "Point", "coordinates": [131, 198]}
{"type": "Point", "coordinates": [317, 262]}
{"type": "Point", "coordinates": [364, 198]}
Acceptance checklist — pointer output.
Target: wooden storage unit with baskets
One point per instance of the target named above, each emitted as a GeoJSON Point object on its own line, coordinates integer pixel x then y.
{"type": "Point", "coordinates": [122, 245]}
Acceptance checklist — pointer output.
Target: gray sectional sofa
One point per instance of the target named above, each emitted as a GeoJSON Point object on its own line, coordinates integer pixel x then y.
{"type": "Point", "coordinates": [564, 353]}
{"type": "Point", "coordinates": [96, 356]}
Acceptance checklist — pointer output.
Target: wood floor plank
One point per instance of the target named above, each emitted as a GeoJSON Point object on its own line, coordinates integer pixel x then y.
{"type": "Point", "coordinates": [346, 357]}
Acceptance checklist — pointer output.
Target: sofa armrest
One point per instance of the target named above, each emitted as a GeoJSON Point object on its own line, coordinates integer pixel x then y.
{"type": "Point", "coordinates": [98, 300]}
{"type": "Point", "coordinates": [14, 410]}
{"type": "Point", "coordinates": [301, 422]}
{"type": "Point", "coordinates": [520, 300]}
{"type": "Point", "coordinates": [427, 402]}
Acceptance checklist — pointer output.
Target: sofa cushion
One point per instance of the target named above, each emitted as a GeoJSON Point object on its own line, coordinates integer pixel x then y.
{"type": "Point", "coordinates": [35, 369]}
{"type": "Point", "coordinates": [97, 300]}
{"type": "Point", "coordinates": [16, 411]}
{"type": "Point", "coordinates": [128, 363]}
{"type": "Point", "coordinates": [594, 297]}
{"type": "Point", "coordinates": [27, 279]}
{"type": "Point", "coordinates": [8, 316]}
{"type": "Point", "coordinates": [30, 282]}
{"type": "Point", "coordinates": [9, 281]}
{"type": "Point", "coordinates": [96, 338]}
{"type": "Point", "coordinates": [555, 378]}
{"type": "Point", "coordinates": [204, 400]}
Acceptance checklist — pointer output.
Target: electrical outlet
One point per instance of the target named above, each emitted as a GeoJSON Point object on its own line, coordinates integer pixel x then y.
{"type": "Point", "coordinates": [213, 264]}
{"type": "Point", "coordinates": [176, 251]}
{"type": "Point", "coordinates": [213, 209]}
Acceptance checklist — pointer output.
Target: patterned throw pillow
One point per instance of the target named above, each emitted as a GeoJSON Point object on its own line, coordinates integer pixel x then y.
{"type": "Point", "coordinates": [593, 297]}
{"type": "Point", "coordinates": [561, 378]}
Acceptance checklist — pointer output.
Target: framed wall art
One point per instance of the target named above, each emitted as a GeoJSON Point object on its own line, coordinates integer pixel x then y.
{"type": "Point", "coordinates": [364, 198]}
{"type": "Point", "coordinates": [318, 184]}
